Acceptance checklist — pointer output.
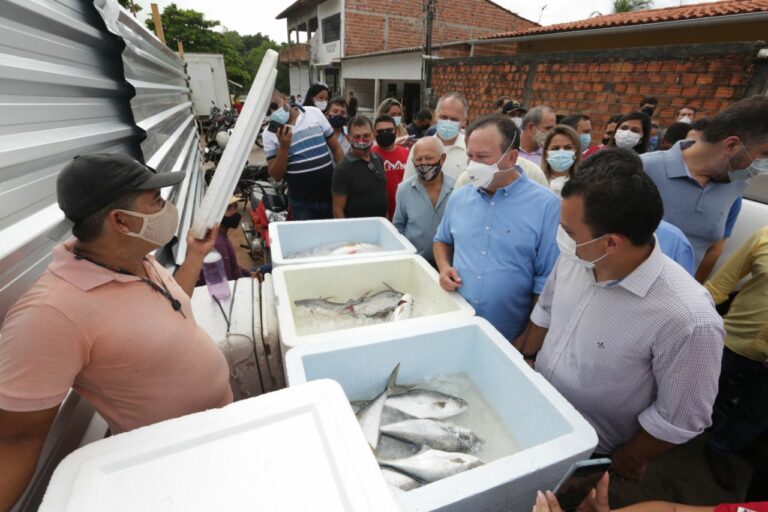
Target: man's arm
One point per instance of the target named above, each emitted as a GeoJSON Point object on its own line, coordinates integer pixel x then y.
{"type": "Point", "coordinates": [631, 459]}
{"type": "Point", "coordinates": [336, 150]}
{"type": "Point", "coordinates": [709, 260]}
{"type": "Point", "coordinates": [737, 266]}
{"type": "Point", "coordinates": [278, 165]}
{"type": "Point", "coordinates": [22, 435]}
{"type": "Point", "coordinates": [450, 279]}
{"type": "Point", "coordinates": [400, 218]}
{"type": "Point", "coordinates": [339, 203]}
{"type": "Point", "coordinates": [530, 341]}
{"type": "Point", "coordinates": [189, 272]}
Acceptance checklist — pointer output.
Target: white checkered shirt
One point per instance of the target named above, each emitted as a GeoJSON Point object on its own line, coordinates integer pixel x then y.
{"type": "Point", "coordinates": [643, 351]}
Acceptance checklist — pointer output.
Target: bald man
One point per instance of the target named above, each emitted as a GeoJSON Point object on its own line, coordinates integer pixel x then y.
{"type": "Point", "coordinates": [421, 199]}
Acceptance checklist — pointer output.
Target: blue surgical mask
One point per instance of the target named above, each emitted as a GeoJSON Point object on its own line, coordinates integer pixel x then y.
{"type": "Point", "coordinates": [561, 160]}
{"type": "Point", "coordinates": [280, 116]}
{"type": "Point", "coordinates": [586, 141]}
{"type": "Point", "coordinates": [397, 119]}
{"type": "Point", "coordinates": [758, 167]}
{"type": "Point", "coordinates": [447, 129]}
{"type": "Point", "coordinates": [654, 141]}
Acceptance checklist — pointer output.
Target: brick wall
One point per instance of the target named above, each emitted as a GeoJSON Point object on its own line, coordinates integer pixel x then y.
{"type": "Point", "coordinates": [603, 83]}
{"type": "Point", "coordinates": [372, 26]}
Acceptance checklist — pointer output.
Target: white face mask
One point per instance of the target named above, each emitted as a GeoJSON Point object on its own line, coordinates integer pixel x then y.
{"type": "Point", "coordinates": [685, 119]}
{"type": "Point", "coordinates": [540, 137]}
{"type": "Point", "coordinates": [157, 228]}
{"type": "Point", "coordinates": [480, 174]}
{"type": "Point", "coordinates": [758, 167]}
{"type": "Point", "coordinates": [627, 138]}
{"type": "Point", "coordinates": [568, 248]}
{"type": "Point", "coordinates": [518, 122]}
{"type": "Point", "coordinates": [321, 105]}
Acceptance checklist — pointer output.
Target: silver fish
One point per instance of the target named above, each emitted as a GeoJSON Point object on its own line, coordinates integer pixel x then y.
{"type": "Point", "coordinates": [336, 249]}
{"type": "Point", "coordinates": [403, 309]}
{"type": "Point", "coordinates": [434, 434]}
{"type": "Point", "coordinates": [425, 403]}
{"type": "Point", "coordinates": [326, 305]}
{"type": "Point", "coordinates": [381, 304]}
{"type": "Point", "coordinates": [399, 480]}
{"type": "Point", "coordinates": [432, 465]}
{"type": "Point", "coordinates": [369, 416]}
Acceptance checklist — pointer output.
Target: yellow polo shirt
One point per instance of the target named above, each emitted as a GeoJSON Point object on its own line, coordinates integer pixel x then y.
{"type": "Point", "coordinates": [746, 323]}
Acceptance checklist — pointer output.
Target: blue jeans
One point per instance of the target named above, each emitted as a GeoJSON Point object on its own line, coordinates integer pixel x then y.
{"type": "Point", "coordinates": [311, 210]}
{"type": "Point", "coordinates": [748, 419]}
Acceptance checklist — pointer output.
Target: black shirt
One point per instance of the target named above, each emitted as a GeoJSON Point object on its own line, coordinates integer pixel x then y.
{"type": "Point", "coordinates": [364, 184]}
{"type": "Point", "coordinates": [352, 110]}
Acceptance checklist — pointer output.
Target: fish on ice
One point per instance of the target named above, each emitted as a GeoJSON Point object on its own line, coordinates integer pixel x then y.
{"type": "Point", "coordinates": [427, 404]}
{"type": "Point", "coordinates": [399, 480]}
{"type": "Point", "coordinates": [403, 309]}
{"type": "Point", "coordinates": [434, 434]}
{"type": "Point", "coordinates": [433, 465]}
{"type": "Point", "coordinates": [383, 304]}
{"type": "Point", "coordinates": [369, 416]}
{"type": "Point", "coordinates": [337, 249]}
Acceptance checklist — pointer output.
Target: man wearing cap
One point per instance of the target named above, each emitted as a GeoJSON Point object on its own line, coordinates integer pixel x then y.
{"type": "Point", "coordinates": [105, 319]}
{"type": "Point", "coordinates": [514, 109]}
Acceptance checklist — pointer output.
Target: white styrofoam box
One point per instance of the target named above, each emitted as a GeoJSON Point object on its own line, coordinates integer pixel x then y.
{"type": "Point", "coordinates": [288, 238]}
{"type": "Point", "coordinates": [342, 280]}
{"type": "Point", "coordinates": [238, 343]}
{"type": "Point", "coordinates": [292, 450]}
{"type": "Point", "coordinates": [269, 312]}
{"type": "Point", "coordinates": [551, 433]}
{"type": "Point", "coordinates": [238, 148]}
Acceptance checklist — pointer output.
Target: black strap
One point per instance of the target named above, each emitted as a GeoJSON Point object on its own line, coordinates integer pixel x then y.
{"type": "Point", "coordinates": [164, 291]}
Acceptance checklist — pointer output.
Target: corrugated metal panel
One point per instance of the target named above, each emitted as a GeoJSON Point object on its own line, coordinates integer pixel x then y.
{"type": "Point", "coordinates": [162, 108]}
{"type": "Point", "coordinates": [62, 93]}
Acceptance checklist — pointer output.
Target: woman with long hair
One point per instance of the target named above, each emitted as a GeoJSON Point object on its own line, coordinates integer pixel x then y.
{"type": "Point", "coordinates": [393, 108]}
{"type": "Point", "coordinates": [561, 156]}
{"type": "Point", "coordinates": [633, 131]}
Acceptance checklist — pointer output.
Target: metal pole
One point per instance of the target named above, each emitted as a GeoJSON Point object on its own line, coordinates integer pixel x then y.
{"type": "Point", "coordinates": [428, 52]}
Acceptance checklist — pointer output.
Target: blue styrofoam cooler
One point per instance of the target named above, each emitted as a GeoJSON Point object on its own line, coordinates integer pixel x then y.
{"type": "Point", "coordinates": [288, 238]}
{"type": "Point", "coordinates": [551, 433]}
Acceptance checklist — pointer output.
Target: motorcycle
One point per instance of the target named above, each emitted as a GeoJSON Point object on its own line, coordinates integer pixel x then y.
{"type": "Point", "coordinates": [267, 201]}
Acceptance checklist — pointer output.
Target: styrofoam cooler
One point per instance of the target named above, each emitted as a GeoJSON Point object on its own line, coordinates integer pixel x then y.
{"type": "Point", "coordinates": [297, 449]}
{"type": "Point", "coordinates": [237, 341]}
{"type": "Point", "coordinates": [551, 433]}
{"type": "Point", "coordinates": [342, 280]}
{"type": "Point", "coordinates": [288, 238]}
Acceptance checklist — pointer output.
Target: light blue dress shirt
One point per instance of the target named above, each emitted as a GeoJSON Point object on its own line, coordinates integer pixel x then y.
{"type": "Point", "coordinates": [674, 243]}
{"type": "Point", "coordinates": [415, 217]}
{"type": "Point", "coordinates": [705, 214]}
{"type": "Point", "coordinates": [503, 248]}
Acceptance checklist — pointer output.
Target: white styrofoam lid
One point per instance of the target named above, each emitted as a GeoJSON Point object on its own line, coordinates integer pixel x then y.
{"type": "Point", "coordinates": [295, 449]}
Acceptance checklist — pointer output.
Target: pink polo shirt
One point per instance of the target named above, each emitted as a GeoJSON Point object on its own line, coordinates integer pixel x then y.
{"type": "Point", "coordinates": [114, 340]}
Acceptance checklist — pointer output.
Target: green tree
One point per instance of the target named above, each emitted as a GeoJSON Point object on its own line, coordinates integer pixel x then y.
{"type": "Point", "coordinates": [130, 5]}
{"type": "Point", "coordinates": [631, 5]}
{"type": "Point", "coordinates": [198, 35]}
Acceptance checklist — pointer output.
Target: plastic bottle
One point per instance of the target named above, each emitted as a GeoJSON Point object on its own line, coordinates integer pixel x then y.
{"type": "Point", "coordinates": [216, 276]}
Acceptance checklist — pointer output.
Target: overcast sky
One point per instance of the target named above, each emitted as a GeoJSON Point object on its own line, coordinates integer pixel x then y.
{"type": "Point", "coordinates": [252, 16]}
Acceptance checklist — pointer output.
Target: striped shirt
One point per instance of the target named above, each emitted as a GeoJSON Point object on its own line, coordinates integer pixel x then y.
{"type": "Point", "coordinates": [310, 164]}
{"type": "Point", "coordinates": [642, 351]}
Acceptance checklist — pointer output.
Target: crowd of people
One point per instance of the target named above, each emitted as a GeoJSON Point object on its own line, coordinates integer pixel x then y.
{"type": "Point", "coordinates": [593, 260]}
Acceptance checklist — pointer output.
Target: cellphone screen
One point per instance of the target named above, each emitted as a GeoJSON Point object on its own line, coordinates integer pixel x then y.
{"type": "Point", "coordinates": [573, 491]}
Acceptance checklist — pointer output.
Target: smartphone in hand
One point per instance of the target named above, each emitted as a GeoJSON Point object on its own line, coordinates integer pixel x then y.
{"type": "Point", "coordinates": [273, 126]}
{"type": "Point", "coordinates": [579, 482]}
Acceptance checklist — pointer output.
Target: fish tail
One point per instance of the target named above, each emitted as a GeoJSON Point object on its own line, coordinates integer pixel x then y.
{"type": "Point", "coordinates": [392, 382]}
